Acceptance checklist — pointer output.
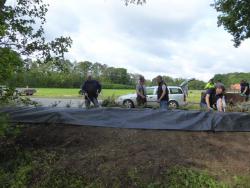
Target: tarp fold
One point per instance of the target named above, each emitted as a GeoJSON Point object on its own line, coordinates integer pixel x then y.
{"type": "Point", "coordinates": [132, 118]}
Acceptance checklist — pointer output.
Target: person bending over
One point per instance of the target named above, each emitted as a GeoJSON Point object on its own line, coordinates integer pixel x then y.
{"type": "Point", "coordinates": [208, 100]}
{"type": "Point", "coordinates": [91, 89]}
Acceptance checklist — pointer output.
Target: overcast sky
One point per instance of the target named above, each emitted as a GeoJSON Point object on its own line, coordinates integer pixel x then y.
{"type": "Point", "coordinates": [178, 38]}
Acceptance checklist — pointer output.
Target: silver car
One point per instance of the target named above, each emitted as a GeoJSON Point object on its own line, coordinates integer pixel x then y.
{"type": "Point", "coordinates": [176, 98]}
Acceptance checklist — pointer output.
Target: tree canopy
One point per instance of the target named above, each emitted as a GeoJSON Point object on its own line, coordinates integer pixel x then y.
{"type": "Point", "coordinates": [22, 33]}
{"type": "Point", "coordinates": [232, 78]}
{"type": "Point", "coordinates": [73, 74]}
{"type": "Point", "coordinates": [235, 18]}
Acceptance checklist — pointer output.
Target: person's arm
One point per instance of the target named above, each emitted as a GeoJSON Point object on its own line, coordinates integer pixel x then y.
{"type": "Point", "coordinates": [99, 86]}
{"type": "Point", "coordinates": [208, 101]}
{"type": "Point", "coordinates": [84, 89]}
{"type": "Point", "coordinates": [220, 107]}
{"type": "Point", "coordinates": [141, 95]}
{"type": "Point", "coordinates": [246, 88]}
{"type": "Point", "coordinates": [163, 93]}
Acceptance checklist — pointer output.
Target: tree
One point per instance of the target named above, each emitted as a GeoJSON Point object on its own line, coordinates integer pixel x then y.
{"type": "Point", "coordinates": [84, 68]}
{"type": "Point", "coordinates": [21, 31]}
{"type": "Point", "coordinates": [10, 62]}
{"type": "Point", "coordinates": [235, 18]}
{"type": "Point", "coordinates": [196, 85]}
{"type": "Point", "coordinates": [97, 70]}
{"type": "Point", "coordinates": [232, 78]}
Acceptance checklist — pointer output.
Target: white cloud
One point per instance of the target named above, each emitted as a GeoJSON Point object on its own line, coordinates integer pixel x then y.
{"type": "Point", "coordinates": [173, 37]}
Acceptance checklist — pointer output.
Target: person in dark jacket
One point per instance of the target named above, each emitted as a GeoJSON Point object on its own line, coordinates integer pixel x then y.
{"type": "Point", "coordinates": [244, 89]}
{"type": "Point", "coordinates": [162, 93]}
{"type": "Point", "coordinates": [91, 89]}
{"type": "Point", "coordinates": [141, 92]}
{"type": "Point", "coordinates": [208, 100]}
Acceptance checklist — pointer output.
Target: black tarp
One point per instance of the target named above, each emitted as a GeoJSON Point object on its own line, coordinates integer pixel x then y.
{"type": "Point", "coordinates": [132, 118]}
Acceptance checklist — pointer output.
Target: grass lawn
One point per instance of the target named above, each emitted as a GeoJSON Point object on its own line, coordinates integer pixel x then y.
{"type": "Point", "coordinates": [194, 95]}
{"type": "Point", "coordinates": [73, 93]}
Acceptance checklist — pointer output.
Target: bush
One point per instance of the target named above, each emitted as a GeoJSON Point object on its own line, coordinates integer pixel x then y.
{"type": "Point", "coordinates": [3, 125]}
{"type": "Point", "coordinates": [35, 169]}
{"type": "Point", "coordinates": [16, 168]}
{"type": "Point", "coordinates": [5, 129]}
{"type": "Point", "coordinates": [109, 102]}
{"type": "Point", "coordinates": [117, 86]}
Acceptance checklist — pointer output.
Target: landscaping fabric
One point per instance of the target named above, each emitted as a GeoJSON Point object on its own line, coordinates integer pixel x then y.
{"type": "Point", "coordinates": [132, 118]}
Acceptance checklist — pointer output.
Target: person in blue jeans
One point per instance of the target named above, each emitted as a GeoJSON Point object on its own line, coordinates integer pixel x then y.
{"type": "Point", "coordinates": [162, 93]}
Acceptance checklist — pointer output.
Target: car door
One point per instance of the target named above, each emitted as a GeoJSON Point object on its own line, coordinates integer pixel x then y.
{"type": "Point", "coordinates": [176, 94]}
{"type": "Point", "coordinates": [151, 96]}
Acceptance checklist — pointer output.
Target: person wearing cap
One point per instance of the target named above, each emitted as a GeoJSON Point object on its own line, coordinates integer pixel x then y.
{"type": "Point", "coordinates": [141, 92]}
{"type": "Point", "coordinates": [210, 84]}
{"type": "Point", "coordinates": [162, 93]}
{"type": "Point", "coordinates": [220, 97]}
{"type": "Point", "coordinates": [91, 89]}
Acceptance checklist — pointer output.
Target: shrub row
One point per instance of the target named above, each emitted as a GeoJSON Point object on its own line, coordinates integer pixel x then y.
{"type": "Point", "coordinates": [117, 86]}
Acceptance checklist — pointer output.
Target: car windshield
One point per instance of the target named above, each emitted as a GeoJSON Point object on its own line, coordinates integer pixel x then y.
{"type": "Point", "coordinates": [150, 91]}
{"type": "Point", "coordinates": [175, 91]}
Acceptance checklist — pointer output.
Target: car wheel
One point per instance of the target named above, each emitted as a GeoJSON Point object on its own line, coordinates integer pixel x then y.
{"type": "Point", "coordinates": [128, 104]}
{"type": "Point", "coordinates": [173, 105]}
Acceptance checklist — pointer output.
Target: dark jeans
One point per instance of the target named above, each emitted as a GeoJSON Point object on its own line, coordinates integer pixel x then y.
{"type": "Point", "coordinates": [204, 107]}
{"type": "Point", "coordinates": [247, 98]}
{"type": "Point", "coordinates": [141, 102]}
{"type": "Point", "coordinates": [88, 101]}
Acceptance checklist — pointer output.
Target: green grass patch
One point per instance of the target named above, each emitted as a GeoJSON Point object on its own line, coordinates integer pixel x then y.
{"type": "Point", "coordinates": [74, 93]}
{"type": "Point", "coordinates": [179, 177]}
{"type": "Point", "coordinates": [194, 95]}
{"type": "Point", "coordinates": [57, 93]}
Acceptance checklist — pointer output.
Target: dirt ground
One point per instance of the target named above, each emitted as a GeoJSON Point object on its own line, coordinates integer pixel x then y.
{"type": "Point", "coordinates": [95, 152]}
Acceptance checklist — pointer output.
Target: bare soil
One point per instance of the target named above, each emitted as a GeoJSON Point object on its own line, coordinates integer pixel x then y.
{"type": "Point", "coordinates": [94, 152]}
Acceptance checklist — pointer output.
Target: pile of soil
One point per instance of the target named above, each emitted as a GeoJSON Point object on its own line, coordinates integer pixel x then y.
{"type": "Point", "coordinates": [94, 152]}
